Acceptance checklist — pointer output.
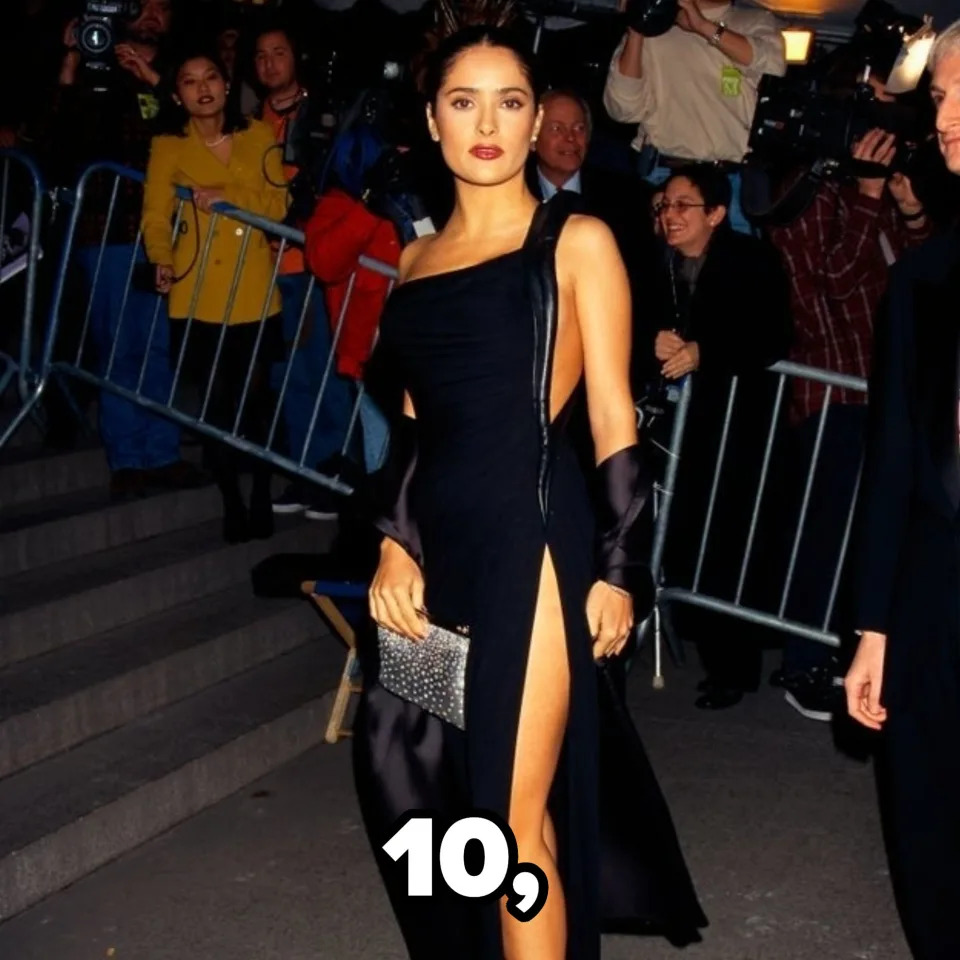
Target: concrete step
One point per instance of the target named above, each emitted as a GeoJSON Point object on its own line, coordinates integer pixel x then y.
{"type": "Point", "coordinates": [63, 818]}
{"type": "Point", "coordinates": [48, 608]}
{"type": "Point", "coordinates": [51, 703]}
{"type": "Point", "coordinates": [31, 473]}
{"type": "Point", "coordinates": [75, 524]}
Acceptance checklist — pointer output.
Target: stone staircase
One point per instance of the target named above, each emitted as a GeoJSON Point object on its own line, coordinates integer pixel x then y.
{"type": "Point", "coordinates": [140, 679]}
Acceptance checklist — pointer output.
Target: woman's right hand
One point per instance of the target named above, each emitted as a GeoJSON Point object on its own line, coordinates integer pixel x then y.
{"type": "Point", "coordinates": [396, 594]}
{"type": "Point", "coordinates": [164, 277]}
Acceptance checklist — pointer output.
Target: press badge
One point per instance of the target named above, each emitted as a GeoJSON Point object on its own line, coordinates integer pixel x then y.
{"type": "Point", "coordinates": [731, 80]}
{"type": "Point", "coordinates": [149, 105]}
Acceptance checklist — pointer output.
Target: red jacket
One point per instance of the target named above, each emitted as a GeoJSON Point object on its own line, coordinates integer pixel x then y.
{"type": "Point", "coordinates": [339, 232]}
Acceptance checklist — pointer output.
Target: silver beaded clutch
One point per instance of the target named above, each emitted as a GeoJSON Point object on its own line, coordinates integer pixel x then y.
{"type": "Point", "coordinates": [431, 673]}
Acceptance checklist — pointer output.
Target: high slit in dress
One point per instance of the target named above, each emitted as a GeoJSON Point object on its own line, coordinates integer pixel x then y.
{"type": "Point", "coordinates": [465, 347]}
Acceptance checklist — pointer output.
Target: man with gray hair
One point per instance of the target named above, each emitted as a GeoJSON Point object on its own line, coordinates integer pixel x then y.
{"type": "Point", "coordinates": [905, 678]}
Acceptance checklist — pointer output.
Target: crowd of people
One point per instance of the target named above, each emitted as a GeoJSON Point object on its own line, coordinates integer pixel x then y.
{"type": "Point", "coordinates": [249, 110]}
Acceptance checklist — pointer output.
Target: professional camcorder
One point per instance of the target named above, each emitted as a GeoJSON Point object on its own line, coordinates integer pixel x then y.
{"type": "Point", "coordinates": [649, 17]}
{"type": "Point", "coordinates": [819, 114]}
{"type": "Point", "coordinates": [800, 121]}
{"type": "Point", "coordinates": [813, 117]}
{"type": "Point", "coordinates": [97, 31]}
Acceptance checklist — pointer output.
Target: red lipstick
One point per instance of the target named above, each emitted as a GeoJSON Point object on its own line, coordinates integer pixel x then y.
{"type": "Point", "coordinates": [486, 151]}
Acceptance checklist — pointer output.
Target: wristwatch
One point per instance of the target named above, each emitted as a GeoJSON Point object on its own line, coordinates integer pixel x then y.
{"type": "Point", "coordinates": [717, 34]}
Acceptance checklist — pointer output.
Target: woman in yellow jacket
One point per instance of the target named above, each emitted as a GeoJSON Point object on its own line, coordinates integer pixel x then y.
{"type": "Point", "coordinates": [221, 157]}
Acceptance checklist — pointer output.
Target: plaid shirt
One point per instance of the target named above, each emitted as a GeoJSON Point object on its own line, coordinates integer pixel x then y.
{"type": "Point", "coordinates": [838, 274]}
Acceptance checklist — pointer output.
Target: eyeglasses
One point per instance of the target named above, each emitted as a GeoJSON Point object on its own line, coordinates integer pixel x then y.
{"type": "Point", "coordinates": [681, 206]}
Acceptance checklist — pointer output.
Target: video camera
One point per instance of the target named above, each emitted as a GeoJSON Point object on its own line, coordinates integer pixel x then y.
{"type": "Point", "coordinates": [799, 121]}
{"type": "Point", "coordinates": [813, 117]}
{"type": "Point", "coordinates": [649, 17]}
{"type": "Point", "coordinates": [819, 114]}
{"type": "Point", "coordinates": [97, 30]}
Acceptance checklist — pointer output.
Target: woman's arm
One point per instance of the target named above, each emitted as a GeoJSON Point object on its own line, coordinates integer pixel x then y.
{"type": "Point", "coordinates": [601, 296]}
{"type": "Point", "coordinates": [397, 590]}
{"type": "Point", "coordinates": [159, 201]}
{"type": "Point", "coordinates": [588, 260]}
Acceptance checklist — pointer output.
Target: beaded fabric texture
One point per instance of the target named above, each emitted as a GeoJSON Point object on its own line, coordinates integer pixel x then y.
{"type": "Point", "coordinates": [430, 673]}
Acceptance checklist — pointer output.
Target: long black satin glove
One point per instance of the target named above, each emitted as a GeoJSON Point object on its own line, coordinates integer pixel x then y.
{"type": "Point", "coordinates": [624, 485]}
{"type": "Point", "coordinates": [392, 515]}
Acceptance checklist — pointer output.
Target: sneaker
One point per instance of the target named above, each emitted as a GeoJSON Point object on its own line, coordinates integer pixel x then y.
{"type": "Point", "coordinates": [291, 500]}
{"type": "Point", "coordinates": [324, 505]}
{"type": "Point", "coordinates": [818, 697]}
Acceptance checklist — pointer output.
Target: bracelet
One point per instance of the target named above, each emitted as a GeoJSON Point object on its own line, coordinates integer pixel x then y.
{"type": "Point", "coordinates": [911, 217]}
{"type": "Point", "coordinates": [717, 34]}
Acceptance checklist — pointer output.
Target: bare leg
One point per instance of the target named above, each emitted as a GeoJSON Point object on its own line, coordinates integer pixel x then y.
{"type": "Point", "coordinates": [543, 720]}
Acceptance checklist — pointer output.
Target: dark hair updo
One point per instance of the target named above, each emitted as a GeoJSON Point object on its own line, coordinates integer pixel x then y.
{"type": "Point", "coordinates": [712, 184]}
{"type": "Point", "coordinates": [441, 61]}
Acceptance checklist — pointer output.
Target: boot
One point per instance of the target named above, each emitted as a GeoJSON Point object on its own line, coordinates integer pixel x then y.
{"type": "Point", "coordinates": [261, 505]}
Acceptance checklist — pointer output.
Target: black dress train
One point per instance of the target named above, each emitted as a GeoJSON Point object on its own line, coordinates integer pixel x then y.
{"type": "Point", "coordinates": [495, 484]}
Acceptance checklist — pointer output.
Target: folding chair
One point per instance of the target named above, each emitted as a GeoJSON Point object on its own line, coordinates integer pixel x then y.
{"type": "Point", "coordinates": [326, 594]}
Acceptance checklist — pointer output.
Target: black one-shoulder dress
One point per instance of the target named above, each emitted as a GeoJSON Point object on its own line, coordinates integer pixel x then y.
{"type": "Point", "coordinates": [464, 346]}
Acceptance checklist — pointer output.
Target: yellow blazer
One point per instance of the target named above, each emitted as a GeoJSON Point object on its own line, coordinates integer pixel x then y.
{"type": "Point", "coordinates": [186, 161]}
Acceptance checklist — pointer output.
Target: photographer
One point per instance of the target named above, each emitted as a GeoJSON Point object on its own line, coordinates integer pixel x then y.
{"type": "Point", "coordinates": [283, 107]}
{"type": "Point", "coordinates": [693, 89]}
{"type": "Point", "coordinates": [838, 253]}
{"type": "Point", "coordinates": [115, 124]}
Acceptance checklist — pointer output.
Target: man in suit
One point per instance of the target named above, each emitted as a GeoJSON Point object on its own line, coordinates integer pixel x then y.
{"type": "Point", "coordinates": [557, 163]}
{"type": "Point", "coordinates": [905, 678]}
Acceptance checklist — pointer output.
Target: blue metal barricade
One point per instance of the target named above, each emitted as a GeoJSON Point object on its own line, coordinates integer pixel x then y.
{"type": "Point", "coordinates": [21, 221]}
{"type": "Point", "coordinates": [734, 605]}
{"type": "Point", "coordinates": [103, 371]}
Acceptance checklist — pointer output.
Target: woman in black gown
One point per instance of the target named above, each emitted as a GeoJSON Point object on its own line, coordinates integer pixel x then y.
{"type": "Point", "coordinates": [493, 529]}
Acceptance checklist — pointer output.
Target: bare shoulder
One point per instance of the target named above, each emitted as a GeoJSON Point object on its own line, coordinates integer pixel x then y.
{"type": "Point", "coordinates": [586, 244]}
{"type": "Point", "coordinates": [412, 253]}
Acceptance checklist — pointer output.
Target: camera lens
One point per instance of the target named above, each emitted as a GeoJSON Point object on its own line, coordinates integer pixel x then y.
{"type": "Point", "coordinates": [95, 38]}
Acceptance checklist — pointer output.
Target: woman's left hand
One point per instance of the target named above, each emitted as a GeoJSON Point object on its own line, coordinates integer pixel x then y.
{"type": "Point", "coordinates": [204, 197]}
{"type": "Point", "coordinates": [610, 617]}
{"type": "Point", "coordinates": [684, 361]}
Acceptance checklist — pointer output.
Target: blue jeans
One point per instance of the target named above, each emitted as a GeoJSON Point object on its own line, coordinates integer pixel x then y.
{"type": "Point", "coordinates": [735, 215]}
{"type": "Point", "coordinates": [307, 365]}
{"type": "Point", "coordinates": [132, 437]}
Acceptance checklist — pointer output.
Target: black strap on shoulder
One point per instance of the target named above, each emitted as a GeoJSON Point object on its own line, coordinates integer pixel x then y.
{"type": "Point", "coordinates": [549, 219]}
{"type": "Point", "coordinates": [541, 276]}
